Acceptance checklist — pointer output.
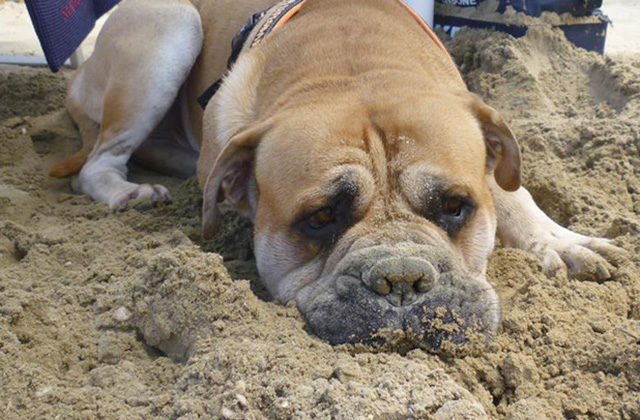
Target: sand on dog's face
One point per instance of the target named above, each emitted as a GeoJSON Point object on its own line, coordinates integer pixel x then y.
{"type": "Point", "coordinates": [124, 316]}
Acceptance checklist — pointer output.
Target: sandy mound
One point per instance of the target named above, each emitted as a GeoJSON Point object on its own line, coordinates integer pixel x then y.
{"type": "Point", "coordinates": [124, 316]}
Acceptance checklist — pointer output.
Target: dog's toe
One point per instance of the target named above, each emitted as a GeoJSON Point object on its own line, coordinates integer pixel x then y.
{"type": "Point", "coordinates": [552, 264]}
{"type": "Point", "coordinates": [609, 251]}
{"type": "Point", "coordinates": [586, 264]}
{"type": "Point", "coordinates": [141, 197]}
{"type": "Point", "coordinates": [582, 257]}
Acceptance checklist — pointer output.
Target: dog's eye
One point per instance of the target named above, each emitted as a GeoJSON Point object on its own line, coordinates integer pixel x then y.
{"type": "Point", "coordinates": [453, 207]}
{"type": "Point", "coordinates": [320, 226]}
{"type": "Point", "coordinates": [324, 224]}
{"type": "Point", "coordinates": [455, 212]}
{"type": "Point", "coordinates": [321, 218]}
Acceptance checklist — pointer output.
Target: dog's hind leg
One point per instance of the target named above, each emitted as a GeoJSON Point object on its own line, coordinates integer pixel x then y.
{"type": "Point", "coordinates": [168, 149]}
{"type": "Point", "coordinates": [89, 135]}
{"type": "Point", "coordinates": [142, 57]}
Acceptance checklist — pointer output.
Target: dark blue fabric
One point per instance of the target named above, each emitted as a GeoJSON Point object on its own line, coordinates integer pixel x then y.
{"type": "Point", "coordinates": [590, 36]}
{"type": "Point", "coordinates": [450, 24]}
{"type": "Point", "coordinates": [62, 25]}
{"type": "Point", "coordinates": [536, 7]}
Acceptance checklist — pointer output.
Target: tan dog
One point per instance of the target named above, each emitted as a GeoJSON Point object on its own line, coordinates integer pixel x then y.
{"type": "Point", "coordinates": [375, 180]}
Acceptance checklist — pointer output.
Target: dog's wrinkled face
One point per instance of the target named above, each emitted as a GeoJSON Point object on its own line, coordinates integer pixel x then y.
{"type": "Point", "coordinates": [379, 219]}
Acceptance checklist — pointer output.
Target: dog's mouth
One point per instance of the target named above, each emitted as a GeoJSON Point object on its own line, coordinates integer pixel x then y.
{"type": "Point", "coordinates": [366, 303]}
{"type": "Point", "coordinates": [456, 310]}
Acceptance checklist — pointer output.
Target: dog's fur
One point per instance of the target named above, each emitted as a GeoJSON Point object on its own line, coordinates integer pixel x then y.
{"type": "Point", "coordinates": [349, 107]}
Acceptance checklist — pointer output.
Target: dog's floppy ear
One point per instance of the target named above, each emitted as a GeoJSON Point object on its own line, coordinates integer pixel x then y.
{"type": "Point", "coordinates": [503, 152]}
{"type": "Point", "coordinates": [231, 176]}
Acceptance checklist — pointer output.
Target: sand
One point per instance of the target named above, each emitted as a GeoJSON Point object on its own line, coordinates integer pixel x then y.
{"type": "Point", "coordinates": [130, 315]}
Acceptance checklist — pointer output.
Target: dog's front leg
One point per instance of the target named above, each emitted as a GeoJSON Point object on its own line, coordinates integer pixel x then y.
{"type": "Point", "coordinates": [522, 224]}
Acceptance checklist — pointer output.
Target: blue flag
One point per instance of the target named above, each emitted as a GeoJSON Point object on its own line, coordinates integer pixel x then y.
{"type": "Point", "coordinates": [62, 25]}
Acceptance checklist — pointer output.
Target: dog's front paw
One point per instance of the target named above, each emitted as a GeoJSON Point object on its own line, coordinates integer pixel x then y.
{"type": "Point", "coordinates": [141, 196]}
{"type": "Point", "coordinates": [584, 257]}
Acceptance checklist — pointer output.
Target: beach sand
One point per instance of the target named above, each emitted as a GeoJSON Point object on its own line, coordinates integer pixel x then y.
{"type": "Point", "coordinates": [131, 315]}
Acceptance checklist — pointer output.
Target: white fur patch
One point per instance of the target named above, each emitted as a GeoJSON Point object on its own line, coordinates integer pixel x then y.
{"type": "Point", "coordinates": [89, 95]}
{"type": "Point", "coordinates": [234, 104]}
{"type": "Point", "coordinates": [104, 178]}
{"type": "Point", "coordinates": [275, 258]}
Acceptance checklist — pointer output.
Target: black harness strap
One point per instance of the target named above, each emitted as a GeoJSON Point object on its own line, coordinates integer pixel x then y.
{"type": "Point", "coordinates": [206, 96]}
{"type": "Point", "coordinates": [236, 46]}
{"type": "Point", "coordinates": [277, 13]}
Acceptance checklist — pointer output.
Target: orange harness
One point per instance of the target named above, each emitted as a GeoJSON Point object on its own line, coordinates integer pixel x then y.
{"type": "Point", "coordinates": [284, 18]}
{"type": "Point", "coordinates": [263, 23]}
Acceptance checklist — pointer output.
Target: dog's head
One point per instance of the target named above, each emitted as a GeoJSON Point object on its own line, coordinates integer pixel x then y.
{"type": "Point", "coordinates": [374, 216]}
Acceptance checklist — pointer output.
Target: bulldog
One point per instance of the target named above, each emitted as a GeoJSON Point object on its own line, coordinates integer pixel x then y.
{"type": "Point", "coordinates": [375, 180]}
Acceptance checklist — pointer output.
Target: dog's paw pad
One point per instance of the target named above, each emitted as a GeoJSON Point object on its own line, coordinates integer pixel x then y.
{"type": "Point", "coordinates": [142, 197]}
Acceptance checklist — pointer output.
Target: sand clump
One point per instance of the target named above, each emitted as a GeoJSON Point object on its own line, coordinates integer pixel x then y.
{"type": "Point", "coordinates": [131, 315]}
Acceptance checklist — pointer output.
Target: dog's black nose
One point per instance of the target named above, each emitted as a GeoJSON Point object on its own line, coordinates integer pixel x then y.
{"type": "Point", "coordinates": [401, 279]}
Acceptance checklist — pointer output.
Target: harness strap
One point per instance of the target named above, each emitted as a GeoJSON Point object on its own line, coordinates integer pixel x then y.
{"type": "Point", "coordinates": [251, 34]}
{"type": "Point", "coordinates": [261, 24]}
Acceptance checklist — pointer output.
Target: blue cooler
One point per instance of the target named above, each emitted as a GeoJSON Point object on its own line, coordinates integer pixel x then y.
{"type": "Point", "coordinates": [536, 7]}
{"type": "Point", "coordinates": [590, 36]}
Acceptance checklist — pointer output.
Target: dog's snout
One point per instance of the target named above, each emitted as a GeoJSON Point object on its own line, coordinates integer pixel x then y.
{"type": "Point", "coordinates": [417, 288]}
{"type": "Point", "coordinates": [401, 279]}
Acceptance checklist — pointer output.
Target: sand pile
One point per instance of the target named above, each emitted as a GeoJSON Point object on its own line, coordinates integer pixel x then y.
{"type": "Point", "coordinates": [124, 316]}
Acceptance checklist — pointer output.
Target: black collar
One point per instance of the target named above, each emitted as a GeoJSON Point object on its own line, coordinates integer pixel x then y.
{"type": "Point", "coordinates": [259, 25]}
